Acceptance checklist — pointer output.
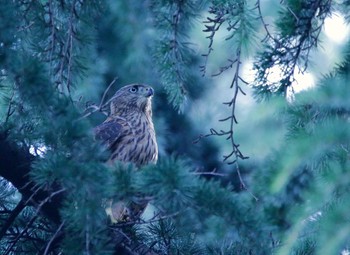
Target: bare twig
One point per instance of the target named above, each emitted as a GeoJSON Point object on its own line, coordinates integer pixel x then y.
{"type": "Point", "coordinates": [213, 173]}
{"type": "Point", "coordinates": [235, 154]}
{"type": "Point", "coordinates": [213, 26]}
{"type": "Point", "coordinates": [48, 246]}
{"type": "Point", "coordinates": [233, 25]}
{"type": "Point", "coordinates": [243, 185]}
{"type": "Point", "coordinates": [94, 108]}
{"type": "Point", "coordinates": [268, 34]}
{"type": "Point", "coordinates": [102, 103]}
{"type": "Point", "coordinates": [291, 11]}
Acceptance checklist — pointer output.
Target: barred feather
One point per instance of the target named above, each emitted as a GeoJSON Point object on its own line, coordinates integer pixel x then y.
{"type": "Point", "coordinates": [129, 133]}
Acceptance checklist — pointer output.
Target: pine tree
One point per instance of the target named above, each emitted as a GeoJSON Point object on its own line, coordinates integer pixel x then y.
{"type": "Point", "coordinates": [60, 61]}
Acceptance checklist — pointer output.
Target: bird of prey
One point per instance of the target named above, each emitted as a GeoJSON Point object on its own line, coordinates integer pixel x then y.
{"type": "Point", "coordinates": [129, 134]}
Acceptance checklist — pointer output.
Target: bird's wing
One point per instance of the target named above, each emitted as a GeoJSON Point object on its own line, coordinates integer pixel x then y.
{"type": "Point", "coordinates": [109, 131]}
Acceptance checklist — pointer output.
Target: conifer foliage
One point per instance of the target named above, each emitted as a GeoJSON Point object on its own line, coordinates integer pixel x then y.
{"type": "Point", "coordinates": [60, 62]}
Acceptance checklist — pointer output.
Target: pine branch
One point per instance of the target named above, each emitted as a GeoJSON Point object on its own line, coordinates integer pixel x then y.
{"type": "Point", "coordinates": [15, 166]}
{"type": "Point", "coordinates": [66, 62]}
{"type": "Point", "coordinates": [32, 220]}
{"type": "Point", "coordinates": [13, 215]}
{"type": "Point", "coordinates": [232, 157]}
{"type": "Point", "coordinates": [299, 30]}
{"type": "Point", "coordinates": [55, 33]}
{"type": "Point", "coordinates": [173, 53]}
{"type": "Point", "coordinates": [236, 153]}
{"type": "Point", "coordinates": [238, 25]}
{"type": "Point", "coordinates": [213, 26]}
{"type": "Point", "coordinates": [19, 236]}
{"type": "Point", "coordinates": [269, 35]}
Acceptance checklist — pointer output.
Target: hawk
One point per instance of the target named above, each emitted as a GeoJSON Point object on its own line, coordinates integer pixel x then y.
{"type": "Point", "coordinates": [129, 134]}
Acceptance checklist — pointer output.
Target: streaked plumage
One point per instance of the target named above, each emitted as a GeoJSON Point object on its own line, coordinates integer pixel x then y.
{"type": "Point", "coordinates": [128, 131]}
{"type": "Point", "coordinates": [129, 134]}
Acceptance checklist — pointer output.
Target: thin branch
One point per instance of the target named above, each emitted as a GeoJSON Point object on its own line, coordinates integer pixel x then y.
{"type": "Point", "coordinates": [243, 185]}
{"type": "Point", "coordinates": [36, 215]}
{"type": "Point", "coordinates": [215, 24]}
{"type": "Point", "coordinates": [295, 16]}
{"type": "Point", "coordinates": [235, 151]}
{"type": "Point", "coordinates": [14, 213]}
{"type": "Point", "coordinates": [268, 34]}
{"type": "Point", "coordinates": [224, 68]}
{"type": "Point", "coordinates": [212, 173]}
{"type": "Point", "coordinates": [18, 209]}
{"type": "Point", "coordinates": [9, 249]}
{"type": "Point", "coordinates": [93, 108]}
{"type": "Point", "coordinates": [292, 51]}
{"type": "Point", "coordinates": [48, 246]}
{"type": "Point", "coordinates": [235, 154]}
{"type": "Point", "coordinates": [105, 93]}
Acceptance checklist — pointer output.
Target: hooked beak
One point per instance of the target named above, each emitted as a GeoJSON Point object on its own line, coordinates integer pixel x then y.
{"type": "Point", "coordinates": [149, 92]}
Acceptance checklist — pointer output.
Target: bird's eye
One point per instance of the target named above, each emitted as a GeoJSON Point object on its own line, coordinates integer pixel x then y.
{"type": "Point", "coordinates": [133, 89]}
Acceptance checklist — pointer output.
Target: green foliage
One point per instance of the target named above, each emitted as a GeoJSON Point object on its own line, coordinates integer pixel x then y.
{"type": "Point", "coordinates": [312, 169]}
{"type": "Point", "coordinates": [343, 7]}
{"type": "Point", "coordinates": [170, 182]}
{"type": "Point", "coordinates": [165, 234]}
{"type": "Point", "coordinates": [209, 212]}
{"type": "Point", "coordinates": [173, 51]}
{"type": "Point", "coordinates": [57, 55]}
{"type": "Point", "coordinates": [298, 29]}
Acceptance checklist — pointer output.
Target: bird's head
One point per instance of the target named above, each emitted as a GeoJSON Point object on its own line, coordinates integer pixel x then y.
{"type": "Point", "coordinates": [132, 97]}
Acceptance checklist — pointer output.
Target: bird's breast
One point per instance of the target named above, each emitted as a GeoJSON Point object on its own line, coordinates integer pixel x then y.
{"type": "Point", "coordinates": [138, 145]}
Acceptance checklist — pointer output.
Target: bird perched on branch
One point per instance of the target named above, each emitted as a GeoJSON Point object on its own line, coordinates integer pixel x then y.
{"type": "Point", "coordinates": [129, 134]}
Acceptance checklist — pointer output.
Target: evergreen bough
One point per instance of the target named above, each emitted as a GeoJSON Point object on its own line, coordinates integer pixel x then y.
{"type": "Point", "coordinates": [53, 56]}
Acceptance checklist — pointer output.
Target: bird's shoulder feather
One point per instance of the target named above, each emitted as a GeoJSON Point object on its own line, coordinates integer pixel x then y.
{"type": "Point", "coordinates": [111, 130]}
